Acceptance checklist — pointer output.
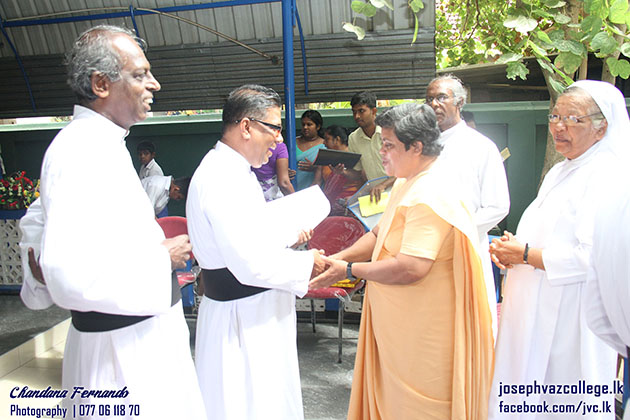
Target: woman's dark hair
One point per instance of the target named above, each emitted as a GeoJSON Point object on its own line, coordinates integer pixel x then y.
{"type": "Point", "coordinates": [413, 122]}
{"type": "Point", "coordinates": [338, 131]}
{"type": "Point", "coordinates": [316, 117]}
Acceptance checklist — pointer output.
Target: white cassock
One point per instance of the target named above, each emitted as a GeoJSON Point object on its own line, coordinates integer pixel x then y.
{"type": "Point", "coordinates": [477, 167]}
{"type": "Point", "coordinates": [543, 335]}
{"type": "Point", "coordinates": [34, 294]}
{"type": "Point", "coordinates": [608, 288]}
{"type": "Point", "coordinates": [157, 188]}
{"type": "Point", "coordinates": [101, 251]}
{"type": "Point", "coordinates": [245, 351]}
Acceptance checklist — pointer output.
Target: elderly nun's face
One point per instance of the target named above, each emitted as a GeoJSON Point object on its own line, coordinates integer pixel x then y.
{"type": "Point", "coordinates": [574, 139]}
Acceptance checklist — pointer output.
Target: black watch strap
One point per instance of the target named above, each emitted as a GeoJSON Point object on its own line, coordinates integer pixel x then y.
{"type": "Point", "coordinates": [349, 272]}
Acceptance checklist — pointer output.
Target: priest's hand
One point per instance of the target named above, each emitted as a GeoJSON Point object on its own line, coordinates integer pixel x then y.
{"type": "Point", "coordinates": [33, 264]}
{"type": "Point", "coordinates": [335, 271]}
{"type": "Point", "coordinates": [179, 249]}
{"type": "Point", "coordinates": [318, 262]}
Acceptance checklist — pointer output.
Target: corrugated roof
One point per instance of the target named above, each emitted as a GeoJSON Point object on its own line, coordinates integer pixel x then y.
{"type": "Point", "coordinates": [198, 69]}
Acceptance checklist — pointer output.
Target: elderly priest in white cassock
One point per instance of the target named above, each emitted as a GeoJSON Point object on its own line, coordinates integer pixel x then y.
{"type": "Point", "coordinates": [103, 256]}
{"type": "Point", "coordinates": [245, 352]}
{"type": "Point", "coordinates": [608, 288]}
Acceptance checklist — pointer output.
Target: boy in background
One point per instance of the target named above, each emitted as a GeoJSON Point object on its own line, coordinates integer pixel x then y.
{"type": "Point", "coordinates": [161, 189]}
{"type": "Point", "coordinates": [146, 156]}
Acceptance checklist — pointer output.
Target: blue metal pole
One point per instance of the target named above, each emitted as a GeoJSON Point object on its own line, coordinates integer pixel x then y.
{"type": "Point", "coordinates": [133, 20]}
{"type": "Point", "coordinates": [299, 25]}
{"type": "Point", "coordinates": [626, 382]}
{"type": "Point", "coordinates": [31, 22]}
{"type": "Point", "coordinates": [20, 65]}
{"type": "Point", "coordinates": [288, 9]}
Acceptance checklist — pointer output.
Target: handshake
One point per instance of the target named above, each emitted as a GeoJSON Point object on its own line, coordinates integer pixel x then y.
{"type": "Point", "coordinates": [326, 270]}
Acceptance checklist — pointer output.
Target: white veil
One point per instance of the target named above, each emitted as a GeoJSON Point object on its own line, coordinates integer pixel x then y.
{"type": "Point", "coordinates": [613, 105]}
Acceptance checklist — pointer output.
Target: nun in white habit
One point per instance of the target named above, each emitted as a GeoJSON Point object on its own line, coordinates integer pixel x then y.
{"type": "Point", "coordinates": [543, 335]}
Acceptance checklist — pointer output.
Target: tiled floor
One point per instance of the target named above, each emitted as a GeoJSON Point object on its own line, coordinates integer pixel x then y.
{"type": "Point", "coordinates": [35, 364]}
{"type": "Point", "coordinates": [325, 383]}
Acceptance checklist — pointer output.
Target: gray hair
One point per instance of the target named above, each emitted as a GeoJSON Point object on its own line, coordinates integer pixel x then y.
{"type": "Point", "coordinates": [587, 99]}
{"type": "Point", "coordinates": [93, 52]}
{"type": "Point", "coordinates": [413, 123]}
{"type": "Point", "coordinates": [457, 86]}
{"type": "Point", "coordinates": [249, 101]}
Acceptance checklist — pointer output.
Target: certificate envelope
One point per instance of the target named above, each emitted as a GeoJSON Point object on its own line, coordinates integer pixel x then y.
{"type": "Point", "coordinates": [299, 211]}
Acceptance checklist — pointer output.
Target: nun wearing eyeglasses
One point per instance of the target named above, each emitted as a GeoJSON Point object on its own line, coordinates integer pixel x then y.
{"type": "Point", "coordinates": [543, 334]}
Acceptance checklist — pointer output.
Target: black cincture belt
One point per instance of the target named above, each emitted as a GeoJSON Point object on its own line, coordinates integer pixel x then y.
{"type": "Point", "coordinates": [101, 322]}
{"type": "Point", "coordinates": [221, 285]}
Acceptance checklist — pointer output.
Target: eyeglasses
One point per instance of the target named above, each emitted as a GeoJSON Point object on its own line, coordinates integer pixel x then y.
{"type": "Point", "coordinates": [276, 128]}
{"type": "Point", "coordinates": [440, 98]}
{"type": "Point", "coordinates": [568, 120]}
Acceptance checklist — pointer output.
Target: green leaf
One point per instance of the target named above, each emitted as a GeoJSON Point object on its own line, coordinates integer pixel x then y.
{"type": "Point", "coordinates": [597, 8]}
{"type": "Point", "coordinates": [543, 37]}
{"type": "Point", "coordinates": [619, 68]}
{"type": "Point", "coordinates": [415, 29]}
{"type": "Point", "coordinates": [604, 43]}
{"type": "Point", "coordinates": [382, 3]}
{"type": "Point", "coordinates": [561, 18]}
{"type": "Point", "coordinates": [508, 58]}
{"type": "Point", "coordinates": [571, 46]}
{"type": "Point", "coordinates": [517, 69]}
{"type": "Point", "coordinates": [591, 23]}
{"type": "Point", "coordinates": [554, 4]}
{"type": "Point", "coordinates": [625, 49]}
{"type": "Point", "coordinates": [537, 49]}
{"type": "Point", "coordinates": [556, 85]}
{"type": "Point", "coordinates": [545, 64]}
{"type": "Point", "coordinates": [618, 11]}
{"type": "Point", "coordinates": [357, 30]}
{"type": "Point", "coordinates": [522, 24]}
{"type": "Point", "coordinates": [556, 35]}
{"type": "Point", "coordinates": [416, 5]}
{"type": "Point", "coordinates": [363, 8]}
{"type": "Point", "coordinates": [569, 62]}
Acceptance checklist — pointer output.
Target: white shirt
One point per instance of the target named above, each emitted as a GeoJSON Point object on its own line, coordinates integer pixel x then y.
{"type": "Point", "coordinates": [157, 188]}
{"type": "Point", "coordinates": [102, 251]}
{"type": "Point", "coordinates": [101, 247]}
{"type": "Point", "coordinates": [229, 226]}
{"type": "Point", "coordinates": [476, 162]}
{"type": "Point", "coordinates": [245, 352]}
{"type": "Point", "coordinates": [33, 293]}
{"type": "Point", "coordinates": [150, 169]}
{"type": "Point", "coordinates": [477, 167]}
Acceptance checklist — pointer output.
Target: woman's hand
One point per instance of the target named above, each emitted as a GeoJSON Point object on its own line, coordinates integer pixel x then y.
{"type": "Point", "coordinates": [339, 169]}
{"type": "Point", "coordinates": [335, 271]}
{"type": "Point", "coordinates": [506, 251]}
{"type": "Point", "coordinates": [306, 165]}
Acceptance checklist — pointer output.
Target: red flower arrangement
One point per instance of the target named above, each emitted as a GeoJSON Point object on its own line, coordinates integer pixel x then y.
{"type": "Point", "coordinates": [17, 191]}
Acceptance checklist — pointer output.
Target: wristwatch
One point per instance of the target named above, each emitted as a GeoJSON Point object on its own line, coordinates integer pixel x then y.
{"type": "Point", "coordinates": [349, 272]}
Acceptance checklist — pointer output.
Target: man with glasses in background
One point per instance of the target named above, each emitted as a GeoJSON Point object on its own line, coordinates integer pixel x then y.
{"type": "Point", "coordinates": [246, 353]}
{"type": "Point", "coordinates": [475, 162]}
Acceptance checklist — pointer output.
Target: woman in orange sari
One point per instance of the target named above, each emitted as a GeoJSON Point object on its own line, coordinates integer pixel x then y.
{"type": "Point", "coordinates": [425, 342]}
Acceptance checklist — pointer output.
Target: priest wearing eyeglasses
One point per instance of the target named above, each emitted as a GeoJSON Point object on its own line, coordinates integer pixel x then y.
{"type": "Point", "coordinates": [246, 354]}
{"type": "Point", "coordinates": [476, 164]}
